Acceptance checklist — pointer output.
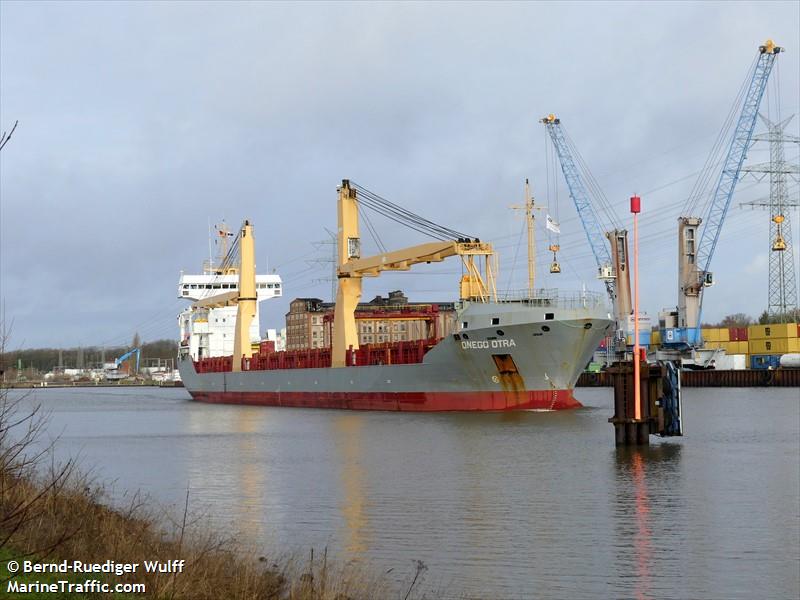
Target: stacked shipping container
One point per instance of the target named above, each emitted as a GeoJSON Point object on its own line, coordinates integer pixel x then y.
{"type": "Point", "coordinates": [757, 342]}
{"type": "Point", "coordinates": [777, 338]}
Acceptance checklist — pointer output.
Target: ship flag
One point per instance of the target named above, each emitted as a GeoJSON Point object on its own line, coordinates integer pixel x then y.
{"type": "Point", "coordinates": [552, 225]}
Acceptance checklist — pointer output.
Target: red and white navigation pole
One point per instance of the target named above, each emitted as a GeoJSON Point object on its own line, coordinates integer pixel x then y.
{"type": "Point", "coordinates": [636, 208]}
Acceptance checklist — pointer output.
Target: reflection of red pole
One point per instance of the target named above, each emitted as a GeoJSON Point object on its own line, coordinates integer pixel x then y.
{"type": "Point", "coordinates": [641, 540]}
{"type": "Point", "coordinates": [636, 207]}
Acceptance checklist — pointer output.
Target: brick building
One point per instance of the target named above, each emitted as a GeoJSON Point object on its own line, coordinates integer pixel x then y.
{"type": "Point", "coordinates": [309, 322]}
{"type": "Point", "coordinates": [304, 323]}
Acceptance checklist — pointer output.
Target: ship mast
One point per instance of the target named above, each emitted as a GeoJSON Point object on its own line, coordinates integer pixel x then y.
{"type": "Point", "coordinates": [530, 222]}
{"type": "Point", "coordinates": [531, 239]}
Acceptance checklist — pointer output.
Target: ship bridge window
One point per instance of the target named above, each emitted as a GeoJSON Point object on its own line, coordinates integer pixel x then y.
{"type": "Point", "coordinates": [269, 285]}
{"type": "Point", "coordinates": [194, 286]}
{"type": "Point", "coordinates": [464, 325]}
{"type": "Point", "coordinates": [549, 316]}
{"type": "Point", "coordinates": [495, 320]}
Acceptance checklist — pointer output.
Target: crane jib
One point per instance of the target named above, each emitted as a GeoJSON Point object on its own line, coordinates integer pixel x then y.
{"type": "Point", "coordinates": [580, 197]}
{"type": "Point", "coordinates": [737, 152]}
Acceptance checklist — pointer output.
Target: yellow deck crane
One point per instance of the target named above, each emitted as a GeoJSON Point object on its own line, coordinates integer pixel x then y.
{"type": "Point", "coordinates": [244, 298]}
{"type": "Point", "coordinates": [477, 282]}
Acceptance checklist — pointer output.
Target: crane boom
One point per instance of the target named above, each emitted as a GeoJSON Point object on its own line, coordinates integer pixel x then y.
{"type": "Point", "coordinates": [737, 152]}
{"type": "Point", "coordinates": [352, 268]}
{"type": "Point", "coordinates": [580, 197]}
{"type": "Point", "coordinates": [126, 356]}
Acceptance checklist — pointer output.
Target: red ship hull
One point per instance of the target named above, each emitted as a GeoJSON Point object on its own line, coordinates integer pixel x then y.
{"type": "Point", "coordinates": [400, 401]}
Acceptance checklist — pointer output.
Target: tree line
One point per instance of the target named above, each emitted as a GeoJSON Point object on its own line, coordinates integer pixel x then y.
{"type": "Point", "coordinates": [46, 359]}
{"type": "Point", "coordinates": [743, 320]}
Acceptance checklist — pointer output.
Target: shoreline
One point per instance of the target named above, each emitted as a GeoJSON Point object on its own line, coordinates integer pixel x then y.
{"type": "Point", "coordinates": [87, 384]}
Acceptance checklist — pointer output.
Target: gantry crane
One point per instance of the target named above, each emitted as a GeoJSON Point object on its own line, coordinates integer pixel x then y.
{"type": "Point", "coordinates": [612, 259]}
{"type": "Point", "coordinates": [694, 257]}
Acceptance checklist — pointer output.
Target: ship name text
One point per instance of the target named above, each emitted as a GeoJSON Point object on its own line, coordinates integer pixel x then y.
{"type": "Point", "coordinates": [486, 344]}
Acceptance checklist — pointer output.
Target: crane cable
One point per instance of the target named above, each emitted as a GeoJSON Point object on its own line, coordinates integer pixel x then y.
{"type": "Point", "coordinates": [594, 187]}
{"type": "Point", "coordinates": [405, 217]}
{"type": "Point", "coordinates": [701, 189]}
{"type": "Point", "coordinates": [373, 233]}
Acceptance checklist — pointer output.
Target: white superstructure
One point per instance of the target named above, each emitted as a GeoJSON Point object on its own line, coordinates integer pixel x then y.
{"type": "Point", "coordinates": [209, 332]}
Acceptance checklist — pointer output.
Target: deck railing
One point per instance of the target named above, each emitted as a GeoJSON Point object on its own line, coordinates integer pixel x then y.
{"type": "Point", "coordinates": [556, 298]}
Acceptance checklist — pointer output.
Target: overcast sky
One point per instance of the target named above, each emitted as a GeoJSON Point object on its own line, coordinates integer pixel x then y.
{"type": "Point", "coordinates": [140, 123]}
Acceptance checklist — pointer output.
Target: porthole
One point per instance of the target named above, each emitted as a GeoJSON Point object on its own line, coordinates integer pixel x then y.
{"type": "Point", "coordinates": [545, 328]}
{"type": "Point", "coordinates": [465, 336]}
{"type": "Point", "coordinates": [587, 326]}
{"type": "Point", "coordinates": [501, 332]}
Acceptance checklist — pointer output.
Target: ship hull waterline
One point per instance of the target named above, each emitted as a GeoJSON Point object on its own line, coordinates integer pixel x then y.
{"type": "Point", "coordinates": [455, 375]}
{"type": "Point", "coordinates": [542, 400]}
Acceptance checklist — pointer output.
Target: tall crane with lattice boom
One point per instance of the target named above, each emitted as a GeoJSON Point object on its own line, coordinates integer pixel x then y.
{"type": "Point", "coordinates": [694, 257]}
{"type": "Point", "coordinates": [612, 260]}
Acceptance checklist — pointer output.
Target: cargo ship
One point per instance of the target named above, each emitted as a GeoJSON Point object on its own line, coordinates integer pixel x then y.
{"type": "Point", "coordinates": [519, 351]}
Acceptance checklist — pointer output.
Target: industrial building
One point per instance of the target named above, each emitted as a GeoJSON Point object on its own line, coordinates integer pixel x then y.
{"type": "Point", "coordinates": [309, 322]}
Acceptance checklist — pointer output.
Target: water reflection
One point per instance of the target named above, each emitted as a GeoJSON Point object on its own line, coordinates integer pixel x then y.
{"type": "Point", "coordinates": [639, 514]}
{"type": "Point", "coordinates": [248, 423]}
{"type": "Point", "coordinates": [217, 467]}
{"type": "Point", "coordinates": [348, 440]}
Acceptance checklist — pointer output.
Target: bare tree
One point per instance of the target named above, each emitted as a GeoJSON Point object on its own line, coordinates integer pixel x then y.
{"type": "Point", "coordinates": [736, 320]}
{"type": "Point", "coordinates": [29, 475]}
{"type": "Point", "coordinates": [7, 135]}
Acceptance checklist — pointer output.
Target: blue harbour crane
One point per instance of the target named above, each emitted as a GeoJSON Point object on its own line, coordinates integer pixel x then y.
{"type": "Point", "coordinates": [682, 328]}
{"type": "Point", "coordinates": [126, 356]}
{"type": "Point", "coordinates": [611, 259]}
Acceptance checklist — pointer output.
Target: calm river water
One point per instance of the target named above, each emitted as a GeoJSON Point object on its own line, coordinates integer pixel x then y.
{"type": "Point", "coordinates": [528, 505]}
